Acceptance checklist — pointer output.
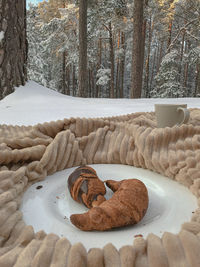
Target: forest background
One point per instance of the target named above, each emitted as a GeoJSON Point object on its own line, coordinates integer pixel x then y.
{"type": "Point", "coordinates": [169, 47]}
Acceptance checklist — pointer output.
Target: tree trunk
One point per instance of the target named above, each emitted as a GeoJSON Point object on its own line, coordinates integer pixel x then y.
{"type": "Point", "coordinates": [63, 73]}
{"type": "Point", "coordinates": [99, 63]}
{"type": "Point", "coordinates": [197, 80]}
{"type": "Point", "coordinates": [170, 35]}
{"type": "Point", "coordinates": [111, 61]}
{"type": "Point", "coordinates": [121, 89]}
{"type": "Point", "coordinates": [181, 57]}
{"type": "Point", "coordinates": [13, 45]}
{"type": "Point", "coordinates": [83, 72]}
{"type": "Point", "coordinates": [185, 75]}
{"type": "Point", "coordinates": [117, 79]}
{"type": "Point", "coordinates": [89, 84]}
{"type": "Point", "coordinates": [138, 47]}
{"type": "Point", "coordinates": [74, 80]}
{"type": "Point", "coordinates": [182, 46]}
{"type": "Point", "coordinates": [143, 46]}
{"type": "Point", "coordinates": [186, 67]}
{"type": "Point", "coordinates": [152, 70]}
{"type": "Point", "coordinates": [117, 75]}
{"type": "Point", "coordinates": [159, 58]}
{"type": "Point", "coordinates": [64, 87]}
{"type": "Point", "coordinates": [92, 84]}
{"type": "Point", "coordinates": [151, 25]}
{"type": "Point", "coordinates": [106, 56]}
{"type": "Point", "coordinates": [68, 80]}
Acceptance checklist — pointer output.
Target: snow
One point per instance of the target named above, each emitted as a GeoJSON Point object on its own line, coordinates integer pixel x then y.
{"type": "Point", "coordinates": [104, 76]}
{"type": "Point", "coordinates": [33, 103]}
{"type": "Point", "coordinates": [1, 36]}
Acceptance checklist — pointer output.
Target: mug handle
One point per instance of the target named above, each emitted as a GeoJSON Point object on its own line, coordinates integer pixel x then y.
{"type": "Point", "coordinates": [186, 116]}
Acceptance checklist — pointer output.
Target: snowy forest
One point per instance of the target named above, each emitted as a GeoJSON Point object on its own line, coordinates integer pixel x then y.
{"type": "Point", "coordinates": [169, 47]}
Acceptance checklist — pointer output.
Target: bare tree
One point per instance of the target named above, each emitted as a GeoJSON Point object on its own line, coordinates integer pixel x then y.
{"type": "Point", "coordinates": [13, 46]}
{"type": "Point", "coordinates": [83, 72]}
{"type": "Point", "coordinates": [138, 49]}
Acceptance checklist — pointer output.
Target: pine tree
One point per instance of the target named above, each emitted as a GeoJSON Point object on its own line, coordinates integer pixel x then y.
{"type": "Point", "coordinates": [167, 79]}
{"type": "Point", "coordinates": [49, 10]}
{"type": "Point", "coordinates": [169, 25]}
{"type": "Point", "coordinates": [193, 58]}
{"type": "Point", "coordinates": [35, 67]}
{"type": "Point", "coordinates": [48, 43]}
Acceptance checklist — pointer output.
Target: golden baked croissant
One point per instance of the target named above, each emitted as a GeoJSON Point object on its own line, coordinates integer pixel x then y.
{"type": "Point", "coordinates": [85, 186]}
{"type": "Point", "coordinates": [127, 206]}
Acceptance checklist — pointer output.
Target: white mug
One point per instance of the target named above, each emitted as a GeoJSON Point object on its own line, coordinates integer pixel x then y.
{"type": "Point", "coordinates": [168, 115]}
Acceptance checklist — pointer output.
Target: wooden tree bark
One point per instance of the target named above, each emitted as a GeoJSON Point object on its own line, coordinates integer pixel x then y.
{"type": "Point", "coordinates": [138, 47]}
{"type": "Point", "coordinates": [99, 63]}
{"type": "Point", "coordinates": [182, 46]}
{"type": "Point", "coordinates": [153, 69]}
{"type": "Point", "coordinates": [13, 46]}
{"type": "Point", "coordinates": [169, 36]}
{"type": "Point", "coordinates": [186, 67]}
{"type": "Point", "coordinates": [146, 80]}
{"type": "Point", "coordinates": [117, 75]}
{"type": "Point", "coordinates": [74, 80]}
{"type": "Point", "coordinates": [67, 80]}
{"type": "Point", "coordinates": [121, 89]}
{"type": "Point", "coordinates": [197, 80]}
{"type": "Point", "coordinates": [83, 72]}
{"type": "Point", "coordinates": [181, 57]}
{"type": "Point", "coordinates": [111, 62]}
{"type": "Point", "coordinates": [93, 84]}
{"type": "Point", "coordinates": [64, 73]}
{"type": "Point", "coordinates": [89, 83]}
{"type": "Point", "coordinates": [143, 47]}
{"type": "Point", "coordinates": [160, 54]}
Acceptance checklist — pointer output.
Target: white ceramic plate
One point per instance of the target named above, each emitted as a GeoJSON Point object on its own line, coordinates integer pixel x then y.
{"type": "Point", "coordinates": [49, 208]}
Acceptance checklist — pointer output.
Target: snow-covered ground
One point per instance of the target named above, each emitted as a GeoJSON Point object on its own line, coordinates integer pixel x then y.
{"type": "Point", "coordinates": [33, 103]}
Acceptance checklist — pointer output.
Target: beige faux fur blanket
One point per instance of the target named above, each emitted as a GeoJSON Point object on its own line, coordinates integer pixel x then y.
{"type": "Point", "coordinates": [30, 153]}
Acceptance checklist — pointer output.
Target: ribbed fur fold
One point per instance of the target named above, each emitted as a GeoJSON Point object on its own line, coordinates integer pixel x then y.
{"type": "Point", "coordinates": [30, 153]}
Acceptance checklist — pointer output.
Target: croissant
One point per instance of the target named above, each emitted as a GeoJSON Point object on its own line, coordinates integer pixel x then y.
{"type": "Point", "coordinates": [127, 206]}
{"type": "Point", "coordinates": [85, 186]}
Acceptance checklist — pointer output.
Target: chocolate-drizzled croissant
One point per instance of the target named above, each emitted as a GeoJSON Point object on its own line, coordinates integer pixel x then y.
{"type": "Point", "coordinates": [85, 186]}
{"type": "Point", "coordinates": [127, 206]}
